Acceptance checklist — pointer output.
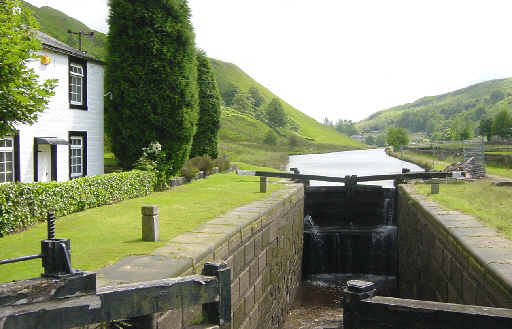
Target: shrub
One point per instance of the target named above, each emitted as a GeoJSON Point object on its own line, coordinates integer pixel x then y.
{"type": "Point", "coordinates": [295, 141]}
{"type": "Point", "coordinates": [223, 163]}
{"type": "Point", "coordinates": [270, 138]}
{"type": "Point", "coordinates": [154, 159]}
{"type": "Point", "coordinates": [22, 204]}
{"type": "Point", "coordinates": [203, 163]}
{"type": "Point", "coordinates": [189, 171]}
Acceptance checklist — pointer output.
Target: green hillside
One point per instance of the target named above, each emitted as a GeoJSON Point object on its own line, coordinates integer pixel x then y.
{"type": "Point", "coordinates": [57, 24]}
{"type": "Point", "coordinates": [435, 113]}
{"type": "Point", "coordinates": [229, 75]}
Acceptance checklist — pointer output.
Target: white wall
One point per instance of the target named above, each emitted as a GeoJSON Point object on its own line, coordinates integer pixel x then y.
{"type": "Point", "coordinates": [58, 119]}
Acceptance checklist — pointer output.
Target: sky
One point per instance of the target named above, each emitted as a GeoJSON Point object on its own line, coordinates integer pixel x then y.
{"type": "Point", "coordinates": [345, 59]}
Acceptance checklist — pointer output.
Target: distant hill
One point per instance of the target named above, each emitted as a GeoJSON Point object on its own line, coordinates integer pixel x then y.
{"type": "Point", "coordinates": [235, 126]}
{"type": "Point", "coordinates": [434, 113]}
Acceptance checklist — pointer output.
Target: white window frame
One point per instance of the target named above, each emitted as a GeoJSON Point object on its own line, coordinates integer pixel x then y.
{"type": "Point", "coordinates": [5, 150]}
{"type": "Point", "coordinates": [81, 157]}
{"type": "Point", "coordinates": [79, 74]}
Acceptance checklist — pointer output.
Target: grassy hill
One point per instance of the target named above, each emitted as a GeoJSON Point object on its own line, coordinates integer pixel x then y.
{"type": "Point", "coordinates": [241, 134]}
{"type": "Point", "coordinates": [433, 113]}
{"type": "Point", "coordinates": [228, 74]}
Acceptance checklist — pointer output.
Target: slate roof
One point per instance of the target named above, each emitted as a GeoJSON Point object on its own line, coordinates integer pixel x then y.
{"type": "Point", "coordinates": [60, 47]}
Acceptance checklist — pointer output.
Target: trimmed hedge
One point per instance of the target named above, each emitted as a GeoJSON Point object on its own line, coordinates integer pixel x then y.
{"type": "Point", "coordinates": [23, 204]}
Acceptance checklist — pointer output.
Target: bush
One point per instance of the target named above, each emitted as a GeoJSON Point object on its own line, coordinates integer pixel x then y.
{"type": "Point", "coordinates": [223, 163]}
{"type": "Point", "coordinates": [295, 141]}
{"type": "Point", "coordinates": [154, 159]}
{"type": "Point", "coordinates": [270, 138]}
{"type": "Point", "coordinates": [193, 166]}
{"type": "Point", "coordinates": [22, 204]}
{"type": "Point", "coordinates": [189, 171]}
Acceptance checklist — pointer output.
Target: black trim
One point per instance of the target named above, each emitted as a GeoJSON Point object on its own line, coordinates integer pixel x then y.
{"type": "Point", "coordinates": [82, 134]}
{"type": "Point", "coordinates": [83, 62]}
{"type": "Point", "coordinates": [54, 162]}
{"type": "Point", "coordinates": [36, 161]}
{"type": "Point", "coordinates": [17, 173]}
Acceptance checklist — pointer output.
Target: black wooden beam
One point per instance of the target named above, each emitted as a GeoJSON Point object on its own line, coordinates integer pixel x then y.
{"type": "Point", "coordinates": [112, 303]}
{"type": "Point", "coordinates": [406, 176]}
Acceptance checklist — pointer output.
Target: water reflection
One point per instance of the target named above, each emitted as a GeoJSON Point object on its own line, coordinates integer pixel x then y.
{"type": "Point", "coordinates": [359, 162]}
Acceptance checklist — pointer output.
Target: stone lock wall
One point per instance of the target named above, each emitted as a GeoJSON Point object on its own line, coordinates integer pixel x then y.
{"type": "Point", "coordinates": [262, 243]}
{"type": "Point", "coordinates": [450, 257]}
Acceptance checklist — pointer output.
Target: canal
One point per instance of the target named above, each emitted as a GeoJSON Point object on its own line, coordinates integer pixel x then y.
{"type": "Point", "coordinates": [359, 162]}
{"type": "Point", "coordinates": [318, 304]}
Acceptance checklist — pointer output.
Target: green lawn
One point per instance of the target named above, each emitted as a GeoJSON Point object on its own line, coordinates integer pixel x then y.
{"type": "Point", "coordinates": [103, 235]}
{"type": "Point", "coordinates": [489, 203]}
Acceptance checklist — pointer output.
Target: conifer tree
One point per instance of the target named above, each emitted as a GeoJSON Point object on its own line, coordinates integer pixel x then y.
{"type": "Point", "coordinates": [151, 73]}
{"type": "Point", "coordinates": [208, 124]}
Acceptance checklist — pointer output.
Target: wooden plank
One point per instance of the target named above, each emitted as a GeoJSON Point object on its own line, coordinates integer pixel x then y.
{"type": "Point", "coordinates": [112, 303]}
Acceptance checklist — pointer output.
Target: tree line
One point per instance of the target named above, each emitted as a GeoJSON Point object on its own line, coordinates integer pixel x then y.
{"type": "Point", "coordinates": [498, 125]}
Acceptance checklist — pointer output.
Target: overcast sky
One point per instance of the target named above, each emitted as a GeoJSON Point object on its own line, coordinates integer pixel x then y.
{"type": "Point", "coordinates": [347, 59]}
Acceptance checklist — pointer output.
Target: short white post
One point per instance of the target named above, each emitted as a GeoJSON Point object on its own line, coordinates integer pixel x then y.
{"type": "Point", "coordinates": [150, 223]}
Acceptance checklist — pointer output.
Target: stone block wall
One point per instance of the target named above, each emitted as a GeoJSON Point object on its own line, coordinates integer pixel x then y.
{"type": "Point", "coordinates": [262, 243]}
{"type": "Point", "coordinates": [450, 257]}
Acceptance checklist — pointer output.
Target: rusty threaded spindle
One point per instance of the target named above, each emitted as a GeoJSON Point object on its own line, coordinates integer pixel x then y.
{"type": "Point", "coordinates": [51, 225]}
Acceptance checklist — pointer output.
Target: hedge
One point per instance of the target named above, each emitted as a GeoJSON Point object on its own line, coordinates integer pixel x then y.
{"type": "Point", "coordinates": [24, 204]}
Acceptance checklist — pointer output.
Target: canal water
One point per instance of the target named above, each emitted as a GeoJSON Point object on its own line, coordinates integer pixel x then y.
{"type": "Point", "coordinates": [319, 303]}
{"type": "Point", "coordinates": [359, 162]}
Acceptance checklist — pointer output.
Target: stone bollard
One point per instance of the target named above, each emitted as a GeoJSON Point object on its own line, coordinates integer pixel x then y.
{"type": "Point", "coordinates": [263, 184]}
{"type": "Point", "coordinates": [352, 295]}
{"type": "Point", "coordinates": [434, 188]}
{"type": "Point", "coordinates": [150, 223]}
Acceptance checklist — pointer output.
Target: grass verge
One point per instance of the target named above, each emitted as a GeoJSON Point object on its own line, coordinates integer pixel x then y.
{"type": "Point", "coordinates": [103, 235]}
{"type": "Point", "coordinates": [489, 203]}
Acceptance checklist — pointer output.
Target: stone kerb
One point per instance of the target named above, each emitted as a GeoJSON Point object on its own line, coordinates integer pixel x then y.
{"type": "Point", "coordinates": [459, 259]}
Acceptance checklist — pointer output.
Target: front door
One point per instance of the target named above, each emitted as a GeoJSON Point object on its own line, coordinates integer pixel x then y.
{"type": "Point", "coordinates": [44, 163]}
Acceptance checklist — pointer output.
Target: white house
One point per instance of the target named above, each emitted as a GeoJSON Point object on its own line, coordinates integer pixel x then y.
{"type": "Point", "coordinates": [67, 140]}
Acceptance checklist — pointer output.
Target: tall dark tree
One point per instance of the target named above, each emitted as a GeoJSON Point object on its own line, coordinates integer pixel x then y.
{"type": "Point", "coordinates": [151, 73]}
{"type": "Point", "coordinates": [275, 113]}
{"type": "Point", "coordinates": [208, 124]}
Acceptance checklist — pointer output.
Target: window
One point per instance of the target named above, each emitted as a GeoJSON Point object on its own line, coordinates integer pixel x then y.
{"type": "Point", "coordinates": [6, 160]}
{"type": "Point", "coordinates": [77, 83]}
{"type": "Point", "coordinates": [76, 76]}
{"type": "Point", "coordinates": [76, 156]}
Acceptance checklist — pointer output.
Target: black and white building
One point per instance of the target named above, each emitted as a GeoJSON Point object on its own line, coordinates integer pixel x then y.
{"type": "Point", "coordinates": [67, 140]}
